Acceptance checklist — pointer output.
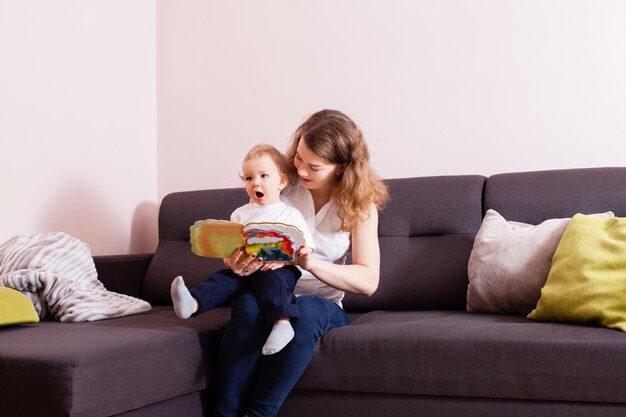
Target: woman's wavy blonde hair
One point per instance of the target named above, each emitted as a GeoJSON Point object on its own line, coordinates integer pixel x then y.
{"type": "Point", "coordinates": [333, 136]}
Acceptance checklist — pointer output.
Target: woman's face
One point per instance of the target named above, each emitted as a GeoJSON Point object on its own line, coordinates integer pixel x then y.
{"type": "Point", "coordinates": [314, 171]}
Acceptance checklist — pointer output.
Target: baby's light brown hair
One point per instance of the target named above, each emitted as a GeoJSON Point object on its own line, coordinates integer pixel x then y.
{"type": "Point", "coordinates": [266, 149]}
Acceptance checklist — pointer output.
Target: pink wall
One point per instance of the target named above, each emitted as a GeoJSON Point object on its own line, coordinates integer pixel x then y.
{"type": "Point", "coordinates": [439, 87]}
{"type": "Point", "coordinates": [106, 106]}
{"type": "Point", "coordinates": [78, 121]}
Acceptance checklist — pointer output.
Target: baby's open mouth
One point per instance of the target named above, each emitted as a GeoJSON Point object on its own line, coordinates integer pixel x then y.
{"type": "Point", "coordinates": [259, 194]}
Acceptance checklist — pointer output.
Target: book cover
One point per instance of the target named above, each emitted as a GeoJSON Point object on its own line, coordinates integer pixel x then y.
{"type": "Point", "coordinates": [268, 240]}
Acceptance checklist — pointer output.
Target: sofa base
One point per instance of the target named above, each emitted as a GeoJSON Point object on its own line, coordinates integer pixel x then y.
{"type": "Point", "coordinates": [122, 366]}
{"type": "Point", "coordinates": [195, 404]}
{"type": "Point", "coordinates": [304, 403]}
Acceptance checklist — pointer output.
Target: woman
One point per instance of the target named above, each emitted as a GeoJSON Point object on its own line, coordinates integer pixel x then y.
{"type": "Point", "coordinates": [338, 194]}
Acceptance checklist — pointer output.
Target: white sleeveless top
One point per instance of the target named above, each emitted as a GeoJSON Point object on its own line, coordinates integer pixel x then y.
{"type": "Point", "coordinates": [331, 243]}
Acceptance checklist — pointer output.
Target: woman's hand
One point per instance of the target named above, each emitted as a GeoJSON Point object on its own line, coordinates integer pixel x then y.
{"type": "Point", "coordinates": [303, 257]}
{"type": "Point", "coordinates": [242, 264]}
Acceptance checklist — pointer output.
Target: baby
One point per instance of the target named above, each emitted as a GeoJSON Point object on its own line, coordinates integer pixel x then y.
{"type": "Point", "coordinates": [264, 175]}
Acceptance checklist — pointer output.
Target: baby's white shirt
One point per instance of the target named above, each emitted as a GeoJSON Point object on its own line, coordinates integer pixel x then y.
{"type": "Point", "coordinates": [278, 212]}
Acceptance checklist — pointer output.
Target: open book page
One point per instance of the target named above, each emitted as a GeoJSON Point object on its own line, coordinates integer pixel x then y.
{"type": "Point", "coordinates": [268, 240]}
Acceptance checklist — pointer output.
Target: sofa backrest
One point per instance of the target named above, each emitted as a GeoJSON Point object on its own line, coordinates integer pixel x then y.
{"type": "Point", "coordinates": [173, 256]}
{"type": "Point", "coordinates": [426, 230]}
{"type": "Point", "coordinates": [426, 233]}
{"type": "Point", "coordinates": [533, 197]}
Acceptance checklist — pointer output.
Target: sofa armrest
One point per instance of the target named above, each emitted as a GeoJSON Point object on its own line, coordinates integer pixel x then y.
{"type": "Point", "coordinates": [123, 273]}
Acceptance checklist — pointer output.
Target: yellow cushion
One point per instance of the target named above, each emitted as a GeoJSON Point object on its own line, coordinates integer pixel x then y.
{"type": "Point", "coordinates": [587, 280]}
{"type": "Point", "coordinates": [16, 308]}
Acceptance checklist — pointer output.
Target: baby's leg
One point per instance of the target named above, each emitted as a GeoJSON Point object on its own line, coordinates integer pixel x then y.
{"type": "Point", "coordinates": [184, 303]}
{"type": "Point", "coordinates": [221, 287]}
{"type": "Point", "coordinates": [274, 291]}
{"type": "Point", "coordinates": [279, 337]}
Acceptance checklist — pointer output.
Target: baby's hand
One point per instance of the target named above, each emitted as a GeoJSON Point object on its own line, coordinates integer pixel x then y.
{"type": "Point", "coordinates": [271, 265]}
{"type": "Point", "coordinates": [301, 257]}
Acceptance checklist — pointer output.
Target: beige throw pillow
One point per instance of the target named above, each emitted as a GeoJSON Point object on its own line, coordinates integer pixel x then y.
{"type": "Point", "coordinates": [510, 262]}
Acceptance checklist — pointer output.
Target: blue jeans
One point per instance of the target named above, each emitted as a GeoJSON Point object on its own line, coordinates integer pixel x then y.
{"type": "Point", "coordinates": [256, 385]}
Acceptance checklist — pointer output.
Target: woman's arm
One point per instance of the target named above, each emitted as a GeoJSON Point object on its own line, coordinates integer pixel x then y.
{"type": "Point", "coordinates": [362, 276]}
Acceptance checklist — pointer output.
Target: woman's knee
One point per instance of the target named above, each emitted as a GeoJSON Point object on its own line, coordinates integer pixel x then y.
{"type": "Point", "coordinates": [311, 305]}
{"type": "Point", "coordinates": [318, 315]}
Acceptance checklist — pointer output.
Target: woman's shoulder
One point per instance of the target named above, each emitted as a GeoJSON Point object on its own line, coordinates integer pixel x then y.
{"type": "Point", "coordinates": [294, 195]}
{"type": "Point", "coordinates": [292, 189]}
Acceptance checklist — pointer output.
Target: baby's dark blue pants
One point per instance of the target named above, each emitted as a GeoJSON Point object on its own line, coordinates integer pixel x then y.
{"type": "Point", "coordinates": [273, 290]}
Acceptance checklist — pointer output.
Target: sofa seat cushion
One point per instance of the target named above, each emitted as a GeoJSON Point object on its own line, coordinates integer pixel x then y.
{"type": "Point", "coordinates": [455, 353]}
{"type": "Point", "coordinates": [107, 367]}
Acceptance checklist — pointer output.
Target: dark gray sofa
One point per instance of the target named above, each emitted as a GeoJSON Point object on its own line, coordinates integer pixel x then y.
{"type": "Point", "coordinates": [411, 348]}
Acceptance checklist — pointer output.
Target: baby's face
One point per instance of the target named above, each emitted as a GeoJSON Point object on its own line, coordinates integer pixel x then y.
{"type": "Point", "coordinates": [263, 180]}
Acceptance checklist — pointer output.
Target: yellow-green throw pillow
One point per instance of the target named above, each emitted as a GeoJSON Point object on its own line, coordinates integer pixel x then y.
{"type": "Point", "coordinates": [587, 279]}
{"type": "Point", "coordinates": [16, 308]}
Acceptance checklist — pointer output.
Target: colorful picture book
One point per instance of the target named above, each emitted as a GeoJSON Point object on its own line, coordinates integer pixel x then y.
{"type": "Point", "coordinates": [269, 241]}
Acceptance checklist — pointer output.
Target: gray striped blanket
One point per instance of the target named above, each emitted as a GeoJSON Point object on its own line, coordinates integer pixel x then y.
{"type": "Point", "coordinates": [57, 273]}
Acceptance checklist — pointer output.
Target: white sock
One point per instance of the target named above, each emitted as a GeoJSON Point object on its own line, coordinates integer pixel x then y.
{"type": "Point", "coordinates": [280, 336]}
{"type": "Point", "coordinates": [184, 303]}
